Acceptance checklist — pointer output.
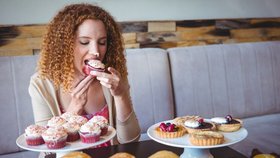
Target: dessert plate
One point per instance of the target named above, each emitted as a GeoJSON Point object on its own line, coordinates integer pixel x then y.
{"type": "Point", "coordinates": [70, 146]}
{"type": "Point", "coordinates": [193, 150]}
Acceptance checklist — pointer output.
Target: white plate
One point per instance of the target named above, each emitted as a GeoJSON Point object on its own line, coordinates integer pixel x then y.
{"type": "Point", "coordinates": [70, 146]}
{"type": "Point", "coordinates": [183, 142]}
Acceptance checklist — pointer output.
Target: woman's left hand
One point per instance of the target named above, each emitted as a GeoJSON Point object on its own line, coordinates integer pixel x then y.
{"type": "Point", "coordinates": [111, 80]}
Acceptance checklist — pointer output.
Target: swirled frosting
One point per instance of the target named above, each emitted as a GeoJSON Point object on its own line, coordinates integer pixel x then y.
{"type": "Point", "coordinates": [34, 130]}
{"type": "Point", "coordinates": [219, 120]}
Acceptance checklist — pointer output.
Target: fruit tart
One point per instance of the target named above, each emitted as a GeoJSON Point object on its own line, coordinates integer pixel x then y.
{"type": "Point", "coordinates": [198, 124]}
{"type": "Point", "coordinates": [181, 120]}
{"type": "Point", "coordinates": [206, 138]}
{"type": "Point", "coordinates": [169, 130]}
{"type": "Point", "coordinates": [227, 124]}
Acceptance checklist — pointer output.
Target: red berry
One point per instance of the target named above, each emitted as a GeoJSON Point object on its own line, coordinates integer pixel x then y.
{"type": "Point", "coordinates": [200, 120]}
{"type": "Point", "coordinates": [229, 118]}
{"type": "Point", "coordinates": [171, 128]}
{"type": "Point", "coordinates": [163, 127]}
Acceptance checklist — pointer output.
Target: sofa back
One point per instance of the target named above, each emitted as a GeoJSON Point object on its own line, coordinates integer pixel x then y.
{"type": "Point", "coordinates": [16, 110]}
{"type": "Point", "coordinates": [150, 86]}
{"type": "Point", "coordinates": [215, 80]}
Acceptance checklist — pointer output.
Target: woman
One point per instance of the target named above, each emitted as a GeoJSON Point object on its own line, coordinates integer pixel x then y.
{"type": "Point", "coordinates": [77, 34]}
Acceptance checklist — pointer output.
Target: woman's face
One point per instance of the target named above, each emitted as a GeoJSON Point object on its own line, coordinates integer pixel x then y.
{"type": "Point", "coordinates": [90, 43]}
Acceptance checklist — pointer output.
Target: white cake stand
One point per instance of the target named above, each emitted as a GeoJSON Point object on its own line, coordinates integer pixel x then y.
{"type": "Point", "coordinates": [70, 146]}
{"type": "Point", "coordinates": [192, 151]}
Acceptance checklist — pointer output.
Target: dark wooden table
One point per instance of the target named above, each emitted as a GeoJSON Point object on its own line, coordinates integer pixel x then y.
{"type": "Point", "coordinates": [144, 149]}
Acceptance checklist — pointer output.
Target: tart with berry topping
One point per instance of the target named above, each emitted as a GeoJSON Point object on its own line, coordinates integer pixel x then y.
{"type": "Point", "coordinates": [181, 120]}
{"type": "Point", "coordinates": [206, 138]}
{"type": "Point", "coordinates": [227, 124]}
{"type": "Point", "coordinates": [169, 130]}
{"type": "Point", "coordinates": [198, 124]}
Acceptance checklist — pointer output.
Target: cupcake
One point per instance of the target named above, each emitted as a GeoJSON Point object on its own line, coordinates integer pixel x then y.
{"type": "Point", "coordinates": [102, 122]}
{"type": "Point", "coordinates": [33, 135]}
{"type": "Point", "coordinates": [206, 138]}
{"type": "Point", "coordinates": [67, 115]}
{"type": "Point", "coordinates": [90, 132]}
{"type": "Point", "coordinates": [227, 124]}
{"type": "Point", "coordinates": [55, 137]}
{"type": "Point", "coordinates": [56, 121]}
{"type": "Point", "coordinates": [198, 124]}
{"type": "Point", "coordinates": [72, 129]}
{"type": "Point", "coordinates": [78, 119]}
{"type": "Point", "coordinates": [169, 130]}
{"type": "Point", "coordinates": [93, 65]}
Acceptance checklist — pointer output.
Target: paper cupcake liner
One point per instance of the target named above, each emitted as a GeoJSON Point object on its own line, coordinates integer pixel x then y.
{"type": "Point", "coordinates": [104, 131]}
{"type": "Point", "coordinates": [89, 138]}
{"type": "Point", "coordinates": [34, 141]}
{"type": "Point", "coordinates": [73, 137]}
{"type": "Point", "coordinates": [56, 144]}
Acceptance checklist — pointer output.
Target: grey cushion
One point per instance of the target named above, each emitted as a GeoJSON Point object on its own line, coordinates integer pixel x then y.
{"type": "Point", "coordinates": [23, 154]}
{"type": "Point", "coordinates": [150, 85]}
{"type": "Point", "coordinates": [216, 80]}
{"type": "Point", "coordinates": [16, 109]}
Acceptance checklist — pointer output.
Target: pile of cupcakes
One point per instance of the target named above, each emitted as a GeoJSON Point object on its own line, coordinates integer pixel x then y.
{"type": "Point", "coordinates": [201, 132]}
{"type": "Point", "coordinates": [67, 128]}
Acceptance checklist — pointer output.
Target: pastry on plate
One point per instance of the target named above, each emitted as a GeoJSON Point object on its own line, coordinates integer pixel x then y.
{"type": "Point", "coordinates": [227, 124]}
{"type": "Point", "coordinates": [206, 138]}
{"type": "Point", "coordinates": [181, 120]}
{"type": "Point", "coordinates": [55, 137]}
{"type": "Point", "coordinates": [76, 154]}
{"type": "Point", "coordinates": [122, 155]}
{"type": "Point", "coordinates": [33, 135]}
{"type": "Point", "coordinates": [198, 124]}
{"type": "Point", "coordinates": [90, 132]}
{"type": "Point", "coordinates": [169, 130]}
{"type": "Point", "coordinates": [164, 154]}
{"type": "Point", "coordinates": [102, 122]}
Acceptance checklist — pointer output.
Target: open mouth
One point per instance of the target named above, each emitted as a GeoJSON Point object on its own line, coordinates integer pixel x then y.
{"type": "Point", "coordinates": [93, 65]}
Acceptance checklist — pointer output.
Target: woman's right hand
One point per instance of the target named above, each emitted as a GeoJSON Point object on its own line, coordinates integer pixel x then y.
{"type": "Point", "coordinates": [79, 95]}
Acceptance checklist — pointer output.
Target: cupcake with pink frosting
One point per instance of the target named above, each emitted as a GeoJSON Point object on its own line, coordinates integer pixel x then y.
{"type": "Point", "coordinates": [102, 122]}
{"type": "Point", "coordinates": [72, 129]}
{"type": "Point", "coordinates": [33, 135]}
{"type": "Point", "coordinates": [67, 115]}
{"type": "Point", "coordinates": [55, 137]}
{"type": "Point", "coordinates": [90, 132]}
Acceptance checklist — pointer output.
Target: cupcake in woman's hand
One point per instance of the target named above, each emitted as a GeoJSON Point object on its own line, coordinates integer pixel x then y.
{"type": "Point", "coordinates": [72, 129]}
{"type": "Point", "coordinates": [102, 122]}
{"type": "Point", "coordinates": [90, 132]}
{"type": "Point", "coordinates": [55, 137]}
{"type": "Point", "coordinates": [93, 65]}
{"type": "Point", "coordinates": [33, 135]}
{"type": "Point", "coordinates": [56, 121]}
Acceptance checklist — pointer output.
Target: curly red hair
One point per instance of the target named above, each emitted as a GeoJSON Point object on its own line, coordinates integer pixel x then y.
{"type": "Point", "coordinates": [57, 54]}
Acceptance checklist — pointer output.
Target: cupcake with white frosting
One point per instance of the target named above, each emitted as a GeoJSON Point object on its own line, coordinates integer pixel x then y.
{"type": "Point", "coordinates": [33, 135]}
{"type": "Point", "coordinates": [67, 115]}
{"type": "Point", "coordinates": [78, 119]}
{"type": "Point", "coordinates": [102, 122]}
{"type": "Point", "coordinates": [56, 121]}
{"type": "Point", "coordinates": [90, 132]}
{"type": "Point", "coordinates": [55, 137]}
{"type": "Point", "coordinates": [72, 129]}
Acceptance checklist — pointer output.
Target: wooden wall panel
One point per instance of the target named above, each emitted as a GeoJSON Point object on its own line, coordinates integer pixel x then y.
{"type": "Point", "coordinates": [25, 39]}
